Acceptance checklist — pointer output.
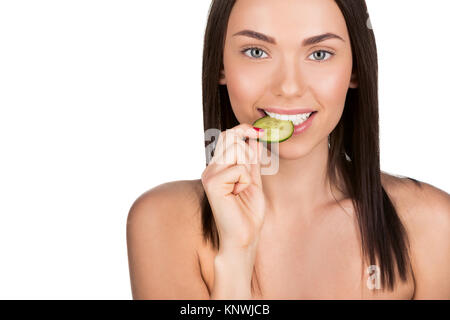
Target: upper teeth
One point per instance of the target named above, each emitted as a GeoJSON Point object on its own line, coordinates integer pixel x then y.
{"type": "Point", "coordinates": [295, 118]}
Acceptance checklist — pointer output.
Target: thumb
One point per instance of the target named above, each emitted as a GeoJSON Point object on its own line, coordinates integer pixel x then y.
{"type": "Point", "coordinates": [255, 166]}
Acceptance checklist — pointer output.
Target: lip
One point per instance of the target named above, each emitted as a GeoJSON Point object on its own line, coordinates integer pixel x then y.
{"type": "Point", "coordinates": [287, 111]}
{"type": "Point", "coordinates": [303, 126]}
{"type": "Point", "coordinates": [299, 128]}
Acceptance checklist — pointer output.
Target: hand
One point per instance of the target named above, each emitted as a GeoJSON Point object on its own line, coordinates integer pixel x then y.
{"type": "Point", "coordinates": [232, 183]}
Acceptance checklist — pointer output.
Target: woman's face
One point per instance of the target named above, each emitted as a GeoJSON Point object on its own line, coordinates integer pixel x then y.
{"type": "Point", "coordinates": [288, 73]}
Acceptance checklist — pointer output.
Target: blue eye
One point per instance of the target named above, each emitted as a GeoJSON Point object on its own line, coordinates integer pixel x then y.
{"type": "Point", "coordinates": [256, 53]}
{"type": "Point", "coordinates": [320, 55]}
{"type": "Point", "coordinates": [256, 50]}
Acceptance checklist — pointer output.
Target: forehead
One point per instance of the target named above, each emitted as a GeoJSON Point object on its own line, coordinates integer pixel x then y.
{"type": "Point", "coordinates": [287, 19]}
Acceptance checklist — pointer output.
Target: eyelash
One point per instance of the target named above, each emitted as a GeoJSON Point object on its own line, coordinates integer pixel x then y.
{"type": "Point", "coordinates": [329, 52]}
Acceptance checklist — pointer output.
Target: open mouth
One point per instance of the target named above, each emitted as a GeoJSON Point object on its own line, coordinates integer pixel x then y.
{"type": "Point", "coordinates": [296, 119]}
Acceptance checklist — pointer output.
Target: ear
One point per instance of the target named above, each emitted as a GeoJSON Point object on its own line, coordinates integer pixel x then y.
{"type": "Point", "coordinates": [222, 79]}
{"type": "Point", "coordinates": [353, 81]}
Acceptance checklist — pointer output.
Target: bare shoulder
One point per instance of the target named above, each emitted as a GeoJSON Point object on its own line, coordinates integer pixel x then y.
{"type": "Point", "coordinates": [425, 211]}
{"type": "Point", "coordinates": [162, 240]}
{"type": "Point", "coordinates": [420, 203]}
{"type": "Point", "coordinates": [180, 200]}
{"type": "Point", "coordinates": [172, 206]}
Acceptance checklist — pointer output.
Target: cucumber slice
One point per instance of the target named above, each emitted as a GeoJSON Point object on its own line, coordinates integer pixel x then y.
{"type": "Point", "coordinates": [270, 125]}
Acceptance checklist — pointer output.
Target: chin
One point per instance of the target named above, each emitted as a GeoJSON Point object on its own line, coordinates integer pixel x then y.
{"type": "Point", "coordinates": [291, 151]}
{"type": "Point", "coordinates": [293, 154]}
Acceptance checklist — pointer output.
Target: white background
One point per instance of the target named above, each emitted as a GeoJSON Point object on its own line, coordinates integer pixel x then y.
{"type": "Point", "coordinates": [101, 101]}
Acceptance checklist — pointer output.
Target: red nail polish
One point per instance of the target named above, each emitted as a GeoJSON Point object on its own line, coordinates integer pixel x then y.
{"type": "Point", "coordinates": [258, 129]}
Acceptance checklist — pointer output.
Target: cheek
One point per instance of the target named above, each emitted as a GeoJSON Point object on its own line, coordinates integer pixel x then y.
{"type": "Point", "coordinates": [245, 84]}
{"type": "Point", "coordinates": [330, 88]}
{"type": "Point", "coordinates": [242, 85]}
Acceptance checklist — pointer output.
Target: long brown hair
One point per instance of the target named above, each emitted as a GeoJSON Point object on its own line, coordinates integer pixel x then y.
{"type": "Point", "coordinates": [354, 143]}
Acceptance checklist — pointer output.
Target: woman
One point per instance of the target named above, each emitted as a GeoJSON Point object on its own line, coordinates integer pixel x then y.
{"type": "Point", "coordinates": [327, 224]}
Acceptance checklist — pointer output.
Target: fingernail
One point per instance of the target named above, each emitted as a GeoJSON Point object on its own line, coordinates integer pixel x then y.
{"type": "Point", "coordinates": [258, 129]}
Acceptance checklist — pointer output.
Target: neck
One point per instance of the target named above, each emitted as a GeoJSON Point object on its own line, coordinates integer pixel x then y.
{"type": "Point", "coordinates": [301, 186]}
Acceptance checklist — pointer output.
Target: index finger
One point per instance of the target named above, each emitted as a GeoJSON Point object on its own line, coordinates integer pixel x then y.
{"type": "Point", "coordinates": [255, 165]}
{"type": "Point", "coordinates": [257, 148]}
{"type": "Point", "coordinates": [240, 132]}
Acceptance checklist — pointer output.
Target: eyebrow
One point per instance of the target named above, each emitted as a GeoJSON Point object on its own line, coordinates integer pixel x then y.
{"type": "Point", "coordinates": [306, 42]}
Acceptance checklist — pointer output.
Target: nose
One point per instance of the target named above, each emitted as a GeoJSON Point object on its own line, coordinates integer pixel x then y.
{"type": "Point", "coordinates": [288, 79]}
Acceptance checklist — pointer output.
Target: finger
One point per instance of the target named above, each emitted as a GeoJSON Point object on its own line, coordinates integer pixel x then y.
{"type": "Point", "coordinates": [256, 154]}
{"type": "Point", "coordinates": [237, 153]}
{"type": "Point", "coordinates": [238, 133]}
{"type": "Point", "coordinates": [227, 178]}
{"type": "Point", "coordinates": [257, 148]}
{"type": "Point", "coordinates": [235, 135]}
{"type": "Point", "coordinates": [222, 160]}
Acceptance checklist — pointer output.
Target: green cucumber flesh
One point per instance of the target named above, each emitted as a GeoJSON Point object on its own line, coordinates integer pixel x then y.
{"type": "Point", "coordinates": [272, 126]}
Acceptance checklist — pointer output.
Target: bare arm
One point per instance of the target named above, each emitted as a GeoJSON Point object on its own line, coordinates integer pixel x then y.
{"type": "Point", "coordinates": [431, 244]}
{"type": "Point", "coordinates": [162, 254]}
{"type": "Point", "coordinates": [233, 274]}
